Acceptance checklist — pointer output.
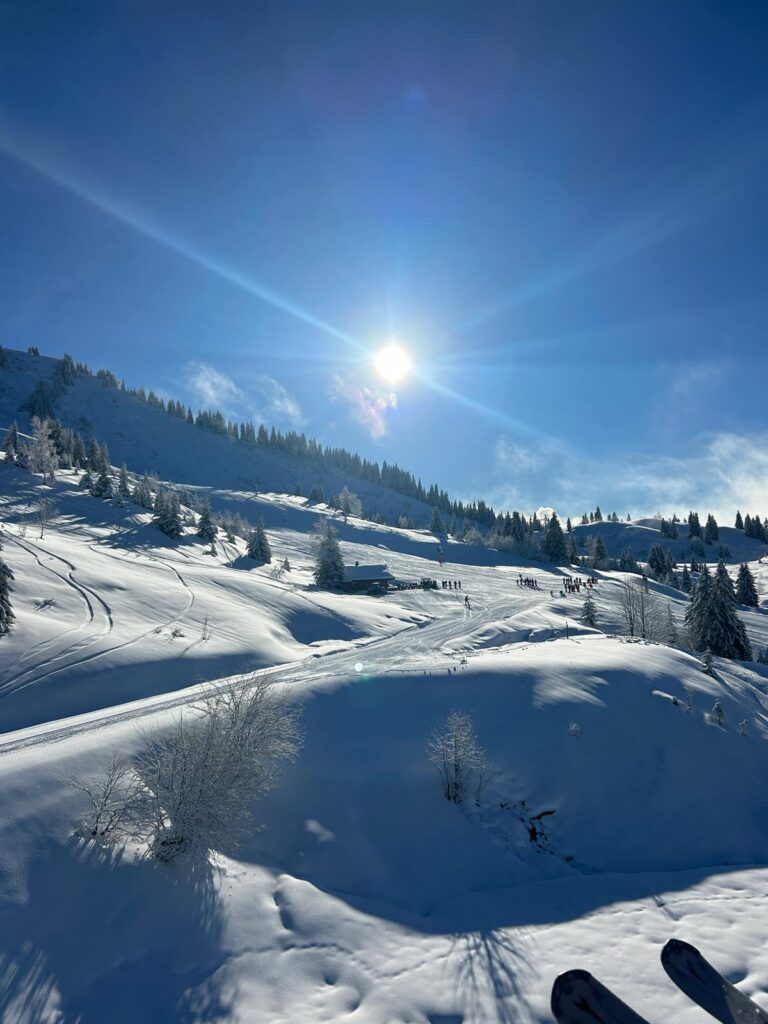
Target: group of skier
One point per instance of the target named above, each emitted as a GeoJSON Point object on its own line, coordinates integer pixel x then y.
{"type": "Point", "coordinates": [573, 584]}
{"type": "Point", "coordinates": [451, 584]}
{"type": "Point", "coordinates": [528, 581]}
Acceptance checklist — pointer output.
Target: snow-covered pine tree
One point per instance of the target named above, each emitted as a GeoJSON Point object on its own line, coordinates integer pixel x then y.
{"type": "Point", "coordinates": [588, 615]}
{"type": "Point", "coordinates": [699, 614]}
{"type": "Point", "coordinates": [436, 524]}
{"type": "Point", "coordinates": [553, 543]}
{"type": "Point", "coordinates": [86, 481]}
{"type": "Point", "coordinates": [78, 452]}
{"type": "Point", "coordinates": [711, 618]}
{"type": "Point", "coordinates": [718, 711]}
{"type": "Point", "coordinates": [142, 493]}
{"type": "Point", "coordinates": [167, 515]}
{"type": "Point", "coordinates": [316, 494]}
{"type": "Point", "coordinates": [6, 611]}
{"type": "Point", "coordinates": [95, 464]}
{"type": "Point", "coordinates": [258, 545]}
{"type": "Point", "coordinates": [733, 641]}
{"type": "Point", "coordinates": [206, 528]}
{"type": "Point", "coordinates": [746, 591]}
{"type": "Point", "coordinates": [329, 565]}
{"type": "Point", "coordinates": [42, 453]}
{"type": "Point", "coordinates": [123, 486]}
{"type": "Point", "coordinates": [102, 486]}
{"type": "Point", "coordinates": [11, 443]}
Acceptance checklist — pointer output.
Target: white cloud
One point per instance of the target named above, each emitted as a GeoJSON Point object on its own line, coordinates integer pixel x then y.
{"type": "Point", "coordinates": [367, 407]}
{"type": "Point", "coordinates": [262, 398]}
{"type": "Point", "coordinates": [212, 388]}
{"type": "Point", "coordinates": [277, 403]}
{"type": "Point", "coordinates": [724, 472]}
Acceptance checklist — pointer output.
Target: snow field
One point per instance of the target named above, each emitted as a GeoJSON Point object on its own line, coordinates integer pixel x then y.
{"type": "Point", "coordinates": [367, 897]}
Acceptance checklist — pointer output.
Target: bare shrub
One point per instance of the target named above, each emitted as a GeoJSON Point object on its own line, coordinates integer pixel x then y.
{"type": "Point", "coordinates": [113, 800]}
{"type": "Point", "coordinates": [453, 749]}
{"type": "Point", "coordinates": [201, 778]}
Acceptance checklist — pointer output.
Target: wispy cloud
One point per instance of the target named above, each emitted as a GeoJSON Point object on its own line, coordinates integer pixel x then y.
{"type": "Point", "coordinates": [366, 406]}
{"type": "Point", "coordinates": [261, 398]}
{"type": "Point", "coordinates": [276, 402]}
{"type": "Point", "coordinates": [725, 471]}
{"type": "Point", "coordinates": [212, 388]}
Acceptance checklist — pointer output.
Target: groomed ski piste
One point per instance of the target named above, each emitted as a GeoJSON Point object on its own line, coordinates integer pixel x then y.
{"type": "Point", "coordinates": [618, 817]}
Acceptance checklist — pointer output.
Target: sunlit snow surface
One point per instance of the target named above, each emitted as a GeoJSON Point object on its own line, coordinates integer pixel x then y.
{"type": "Point", "coordinates": [366, 897]}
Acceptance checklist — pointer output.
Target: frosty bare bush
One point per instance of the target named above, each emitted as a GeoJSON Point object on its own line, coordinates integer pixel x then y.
{"type": "Point", "coordinates": [192, 787]}
{"type": "Point", "coordinates": [112, 799]}
{"type": "Point", "coordinates": [453, 749]}
{"type": "Point", "coordinates": [642, 611]}
{"type": "Point", "coordinates": [201, 778]}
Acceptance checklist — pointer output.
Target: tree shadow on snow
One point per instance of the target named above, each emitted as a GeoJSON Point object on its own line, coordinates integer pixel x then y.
{"type": "Point", "coordinates": [148, 940]}
{"type": "Point", "coordinates": [494, 962]}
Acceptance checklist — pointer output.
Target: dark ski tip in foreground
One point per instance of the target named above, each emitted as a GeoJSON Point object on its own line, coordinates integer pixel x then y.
{"type": "Point", "coordinates": [578, 998]}
{"type": "Point", "coordinates": [702, 983]}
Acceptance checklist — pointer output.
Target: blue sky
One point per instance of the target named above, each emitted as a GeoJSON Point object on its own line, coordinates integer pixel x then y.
{"type": "Point", "coordinates": [561, 209]}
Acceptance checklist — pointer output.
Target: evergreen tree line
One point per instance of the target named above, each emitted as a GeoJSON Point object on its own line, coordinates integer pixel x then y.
{"type": "Point", "coordinates": [43, 399]}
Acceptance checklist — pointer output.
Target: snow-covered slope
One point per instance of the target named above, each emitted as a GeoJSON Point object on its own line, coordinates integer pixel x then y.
{"type": "Point", "coordinates": [146, 438]}
{"type": "Point", "coordinates": [641, 535]}
{"type": "Point", "coordinates": [616, 816]}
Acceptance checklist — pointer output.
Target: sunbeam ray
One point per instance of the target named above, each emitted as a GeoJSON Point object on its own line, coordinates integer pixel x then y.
{"type": "Point", "coordinates": [95, 196]}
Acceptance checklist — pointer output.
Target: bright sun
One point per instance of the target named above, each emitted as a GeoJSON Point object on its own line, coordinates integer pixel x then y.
{"type": "Point", "coordinates": [392, 363]}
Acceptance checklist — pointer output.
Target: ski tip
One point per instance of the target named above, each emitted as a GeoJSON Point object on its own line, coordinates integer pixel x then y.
{"type": "Point", "coordinates": [674, 948]}
{"type": "Point", "coordinates": [564, 985]}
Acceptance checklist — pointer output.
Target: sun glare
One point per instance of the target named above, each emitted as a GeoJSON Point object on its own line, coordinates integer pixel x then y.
{"type": "Point", "coordinates": [392, 363]}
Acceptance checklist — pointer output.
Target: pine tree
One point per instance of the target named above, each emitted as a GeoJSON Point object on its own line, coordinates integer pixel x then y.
{"type": "Point", "coordinates": [123, 487]}
{"type": "Point", "coordinates": [40, 402]}
{"type": "Point", "coordinates": [685, 580]}
{"type": "Point", "coordinates": [711, 530]}
{"type": "Point", "coordinates": [167, 515]}
{"type": "Point", "coordinates": [711, 618]}
{"type": "Point", "coordinates": [746, 591]}
{"type": "Point", "coordinates": [258, 545]}
{"type": "Point", "coordinates": [86, 481]}
{"type": "Point", "coordinates": [573, 554]}
{"type": "Point", "coordinates": [11, 443]}
{"type": "Point", "coordinates": [739, 524]}
{"type": "Point", "coordinates": [316, 494]}
{"type": "Point", "coordinates": [600, 552]}
{"type": "Point", "coordinates": [627, 561]}
{"type": "Point", "coordinates": [206, 528]}
{"type": "Point", "coordinates": [329, 565]}
{"type": "Point", "coordinates": [102, 487]}
{"type": "Point", "coordinates": [657, 562]}
{"type": "Point", "coordinates": [6, 611]}
{"type": "Point", "coordinates": [553, 544]}
{"type": "Point", "coordinates": [588, 615]}
{"type": "Point", "coordinates": [142, 493]}
{"type": "Point", "coordinates": [436, 524]}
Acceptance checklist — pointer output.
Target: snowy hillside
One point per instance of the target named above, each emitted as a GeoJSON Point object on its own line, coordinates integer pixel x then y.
{"type": "Point", "coordinates": [147, 439]}
{"type": "Point", "coordinates": [618, 812]}
{"type": "Point", "coordinates": [640, 536]}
